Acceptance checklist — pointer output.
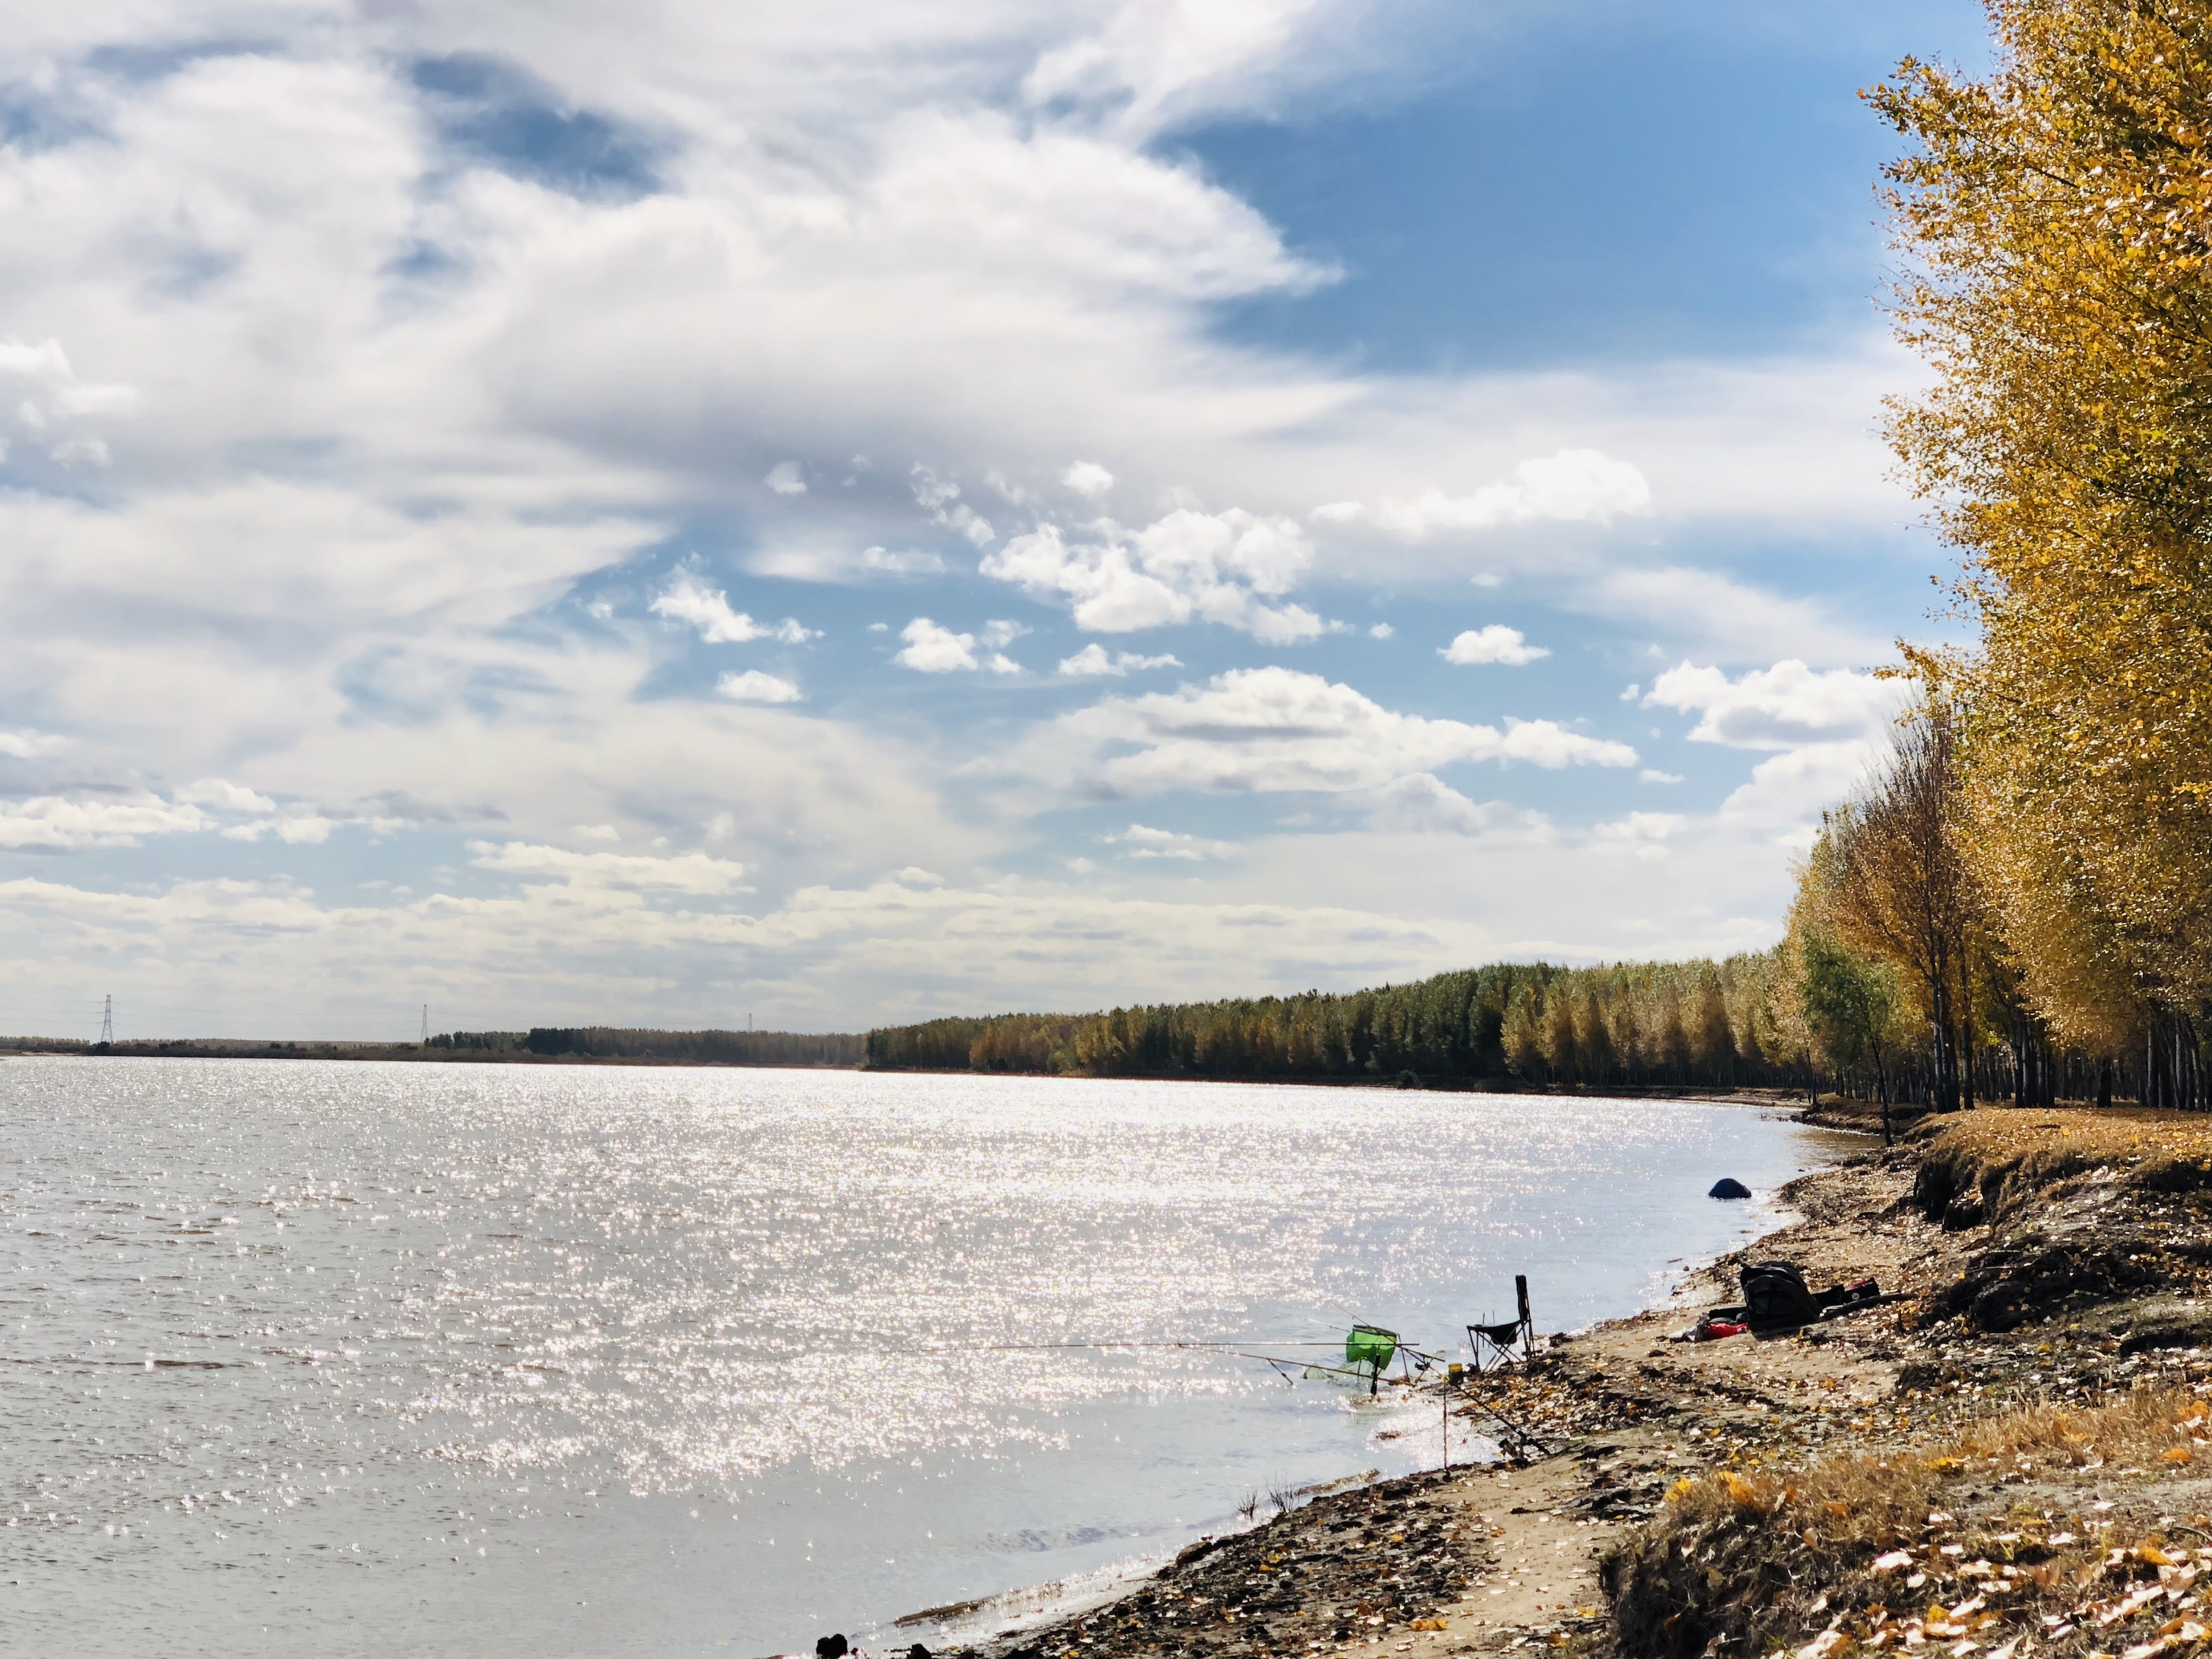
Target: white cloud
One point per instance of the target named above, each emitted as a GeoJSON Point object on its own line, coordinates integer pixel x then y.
{"type": "Point", "coordinates": [52, 403]}
{"type": "Point", "coordinates": [1653, 774]}
{"type": "Point", "coordinates": [1640, 834]}
{"type": "Point", "coordinates": [1094, 661]}
{"type": "Point", "coordinates": [302, 829]}
{"type": "Point", "coordinates": [605, 832]}
{"type": "Point", "coordinates": [32, 745]}
{"type": "Point", "coordinates": [1381, 631]}
{"type": "Point", "coordinates": [55, 824]}
{"type": "Point", "coordinates": [1786, 792]}
{"type": "Point", "coordinates": [786, 478]}
{"type": "Point", "coordinates": [1000, 663]}
{"type": "Point", "coordinates": [1141, 841]}
{"type": "Point", "coordinates": [681, 872]}
{"type": "Point", "coordinates": [998, 634]}
{"type": "Point", "coordinates": [935, 650]}
{"type": "Point", "coordinates": [1494, 644]}
{"type": "Point", "coordinates": [940, 498]}
{"type": "Point", "coordinates": [1215, 566]}
{"type": "Point", "coordinates": [689, 600]}
{"type": "Point", "coordinates": [756, 686]}
{"type": "Point", "coordinates": [1778, 707]}
{"type": "Point", "coordinates": [428, 395]}
{"type": "Point", "coordinates": [911, 562]}
{"type": "Point", "coordinates": [1088, 479]}
{"type": "Point", "coordinates": [226, 797]}
{"type": "Point", "coordinates": [1420, 804]}
{"type": "Point", "coordinates": [1574, 485]}
{"type": "Point", "coordinates": [1274, 729]}
{"type": "Point", "coordinates": [1733, 621]}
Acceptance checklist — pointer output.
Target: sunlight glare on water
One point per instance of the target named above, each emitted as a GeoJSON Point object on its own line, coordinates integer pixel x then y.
{"type": "Point", "coordinates": [498, 1360]}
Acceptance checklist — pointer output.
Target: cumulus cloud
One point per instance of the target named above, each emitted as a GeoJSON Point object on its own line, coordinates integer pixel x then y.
{"type": "Point", "coordinates": [940, 499]}
{"type": "Point", "coordinates": [1095, 661]}
{"type": "Point", "coordinates": [1778, 707]}
{"type": "Point", "coordinates": [303, 828]}
{"type": "Point", "coordinates": [53, 404]}
{"type": "Point", "coordinates": [1575, 486]}
{"type": "Point", "coordinates": [1785, 794]}
{"type": "Point", "coordinates": [786, 478]}
{"type": "Point", "coordinates": [1216, 567]}
{"type": "Point", "coordinates": [1421, 804]}
{"type": "Point", "coordinates": [59, 824]}
{"type": "Point", "coordinates": [690, 601]}
{"type": "Point", "coordinates": [1381, 631]}
{"type": "Point", "coordinates": [1088, 479]}
{"type": "Point", "coordinates": [1142, 841]}
{"type": "Point", "coordinates": [225, 796]}
{"type": "Point", "coordinates": [934, 650]}
{"type": "Point", "coordinates": [1275, 729]}
{"type": "Point", "coordinates": [1494, 644]}
{"type": "Point", "coordinates": [1640, 834]}
{"type": "Point", "coordinates": [436, 386]}
{"type": "Point", "coordinates": [756, 686]}
{"type": "Point", "coordinates": [32, 745]}
{"type": "Point", "coordinates": [997, 633]}
{"type": "Point", "coordinates": [680, 872]}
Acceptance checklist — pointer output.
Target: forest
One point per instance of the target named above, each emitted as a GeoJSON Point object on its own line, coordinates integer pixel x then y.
{"type": "Point", "coordinates": [1700, 1023]}
{"type": "Point", "coordinates": [2016, 901]}
{"type": "Point", "coordinates": [706, 1048]}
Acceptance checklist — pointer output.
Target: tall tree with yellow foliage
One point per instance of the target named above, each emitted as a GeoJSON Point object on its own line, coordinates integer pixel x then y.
{"type": "Point", "coordinates": [2057, 216]}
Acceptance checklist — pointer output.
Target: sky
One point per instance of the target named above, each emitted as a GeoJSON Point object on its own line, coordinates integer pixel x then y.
{"type": "Point", "coordinates": [833, 515]}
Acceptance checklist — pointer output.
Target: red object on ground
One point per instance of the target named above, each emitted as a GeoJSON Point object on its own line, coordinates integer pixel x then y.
{"type": "Point", "coordinates": [1712, 1330]}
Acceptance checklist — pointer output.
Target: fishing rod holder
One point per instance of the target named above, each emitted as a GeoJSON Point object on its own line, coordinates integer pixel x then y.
{"type": "Point", "coordinates": [1512, 1343]}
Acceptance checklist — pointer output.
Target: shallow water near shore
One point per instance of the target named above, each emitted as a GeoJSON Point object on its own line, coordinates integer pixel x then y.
{"type": "Point", "coordinates": [493, 1360]}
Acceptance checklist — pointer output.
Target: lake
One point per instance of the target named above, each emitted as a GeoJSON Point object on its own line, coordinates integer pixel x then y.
{"type": "Point", "coordinates": [493, 1360]}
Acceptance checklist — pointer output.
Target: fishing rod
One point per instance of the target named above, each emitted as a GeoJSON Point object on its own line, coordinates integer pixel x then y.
{"type": "Point", "coordinates": [1193, 1343]}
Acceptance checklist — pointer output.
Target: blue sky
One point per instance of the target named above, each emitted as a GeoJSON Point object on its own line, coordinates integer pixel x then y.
{"type": "Point", "coordinates": [886, 512]}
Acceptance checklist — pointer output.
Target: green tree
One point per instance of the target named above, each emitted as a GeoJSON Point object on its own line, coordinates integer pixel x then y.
{"type": "Point", "coordinates": [1851, 1005]}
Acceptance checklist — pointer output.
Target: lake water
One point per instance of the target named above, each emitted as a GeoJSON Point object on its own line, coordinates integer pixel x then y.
{"type": "Point", "coordinates": [508, 1361]}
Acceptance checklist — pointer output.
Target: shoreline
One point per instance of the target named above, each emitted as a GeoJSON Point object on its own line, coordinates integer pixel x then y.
{"type": "Point", "coordinates": [1020, 1629]}
{"type": "Point", "coordinates": [2007, 1232]}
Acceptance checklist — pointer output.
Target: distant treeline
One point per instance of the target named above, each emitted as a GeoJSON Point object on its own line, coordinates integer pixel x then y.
{"type": "Point", "coordinates": [541, 1044]}
{"type": "Point", "coordinates": [1729, 1024]}
{"type": "Point", "coordinates": [706, 1048]}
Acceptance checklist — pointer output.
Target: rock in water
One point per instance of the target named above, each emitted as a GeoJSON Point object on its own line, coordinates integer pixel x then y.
{"type": "Point", "coordinates": [1728, 1187]}
{"type": "Point", "coordinates": [830, 1647]}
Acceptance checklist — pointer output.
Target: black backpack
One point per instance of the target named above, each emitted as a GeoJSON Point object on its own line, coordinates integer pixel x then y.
{"type": "Point", "coordinates": [1774, 1294]}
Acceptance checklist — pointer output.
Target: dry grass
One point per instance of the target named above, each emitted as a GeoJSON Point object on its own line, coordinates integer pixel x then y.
{"type": "Point", "coordinates": [1868, 1543]}
{"type": "Point", "coordinates": [2005, 1154]}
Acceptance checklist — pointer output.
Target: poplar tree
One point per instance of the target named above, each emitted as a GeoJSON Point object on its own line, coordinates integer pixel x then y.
{"type": "Point", "coordinates": [2057, 216]}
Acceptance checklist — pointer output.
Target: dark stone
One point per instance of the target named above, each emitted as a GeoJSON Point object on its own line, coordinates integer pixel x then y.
{"type": "Point", "coordinates": [1966, 1210]}
{"type": "Point", "coordinates": [1728, 1187]}
{"type": "Point", "coordinates": [832, 1647]}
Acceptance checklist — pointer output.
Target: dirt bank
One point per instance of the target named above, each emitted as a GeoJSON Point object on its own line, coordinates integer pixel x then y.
{"type": "Point", "coordinates": [2016, 1442]}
